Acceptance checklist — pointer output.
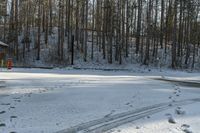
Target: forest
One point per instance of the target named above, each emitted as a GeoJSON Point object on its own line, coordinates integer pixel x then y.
{"type": "Point", "coordinates": [147, 32]}
{"type": "Point", "coordinates": [99, 66]}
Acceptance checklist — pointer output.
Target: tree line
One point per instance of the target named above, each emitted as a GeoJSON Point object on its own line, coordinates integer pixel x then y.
{"type": "Point", "coordinates": [150, 31]}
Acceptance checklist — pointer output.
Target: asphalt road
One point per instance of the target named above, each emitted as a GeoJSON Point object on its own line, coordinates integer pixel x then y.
{"type": "Point", "coordinates": [2, 87]}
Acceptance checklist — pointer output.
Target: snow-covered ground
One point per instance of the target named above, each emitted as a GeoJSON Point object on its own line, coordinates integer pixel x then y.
{"type": "Point", "coordinates": [187, 122]}
{"type": "Point", "coordinates": [47, 101]}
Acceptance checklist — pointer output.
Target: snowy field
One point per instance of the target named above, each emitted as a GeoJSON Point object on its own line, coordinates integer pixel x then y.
{"type": "Point", "coordinates": [49, 101]}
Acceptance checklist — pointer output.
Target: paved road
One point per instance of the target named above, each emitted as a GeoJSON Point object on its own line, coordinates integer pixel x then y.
{"type": "Point", "coordinates": [2, 87]}
{"type": "Point", "coordinates": [187, 83]}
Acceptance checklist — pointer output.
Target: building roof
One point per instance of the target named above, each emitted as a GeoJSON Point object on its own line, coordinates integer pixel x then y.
{"type": "Point", "coordinates": [2, 44]}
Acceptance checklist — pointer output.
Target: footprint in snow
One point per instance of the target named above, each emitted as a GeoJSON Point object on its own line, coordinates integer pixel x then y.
{"type": "Point", "coordinates": [134, 96]}
{"type": "Point", "coordinates": [185, 128]}
{"type": "Point", "coordinates": [170, 105]}
{"type": "Point", "coordinates": [6, 104]}
{"type": "Point", "coordinates": [2, 112]}
{"type": "Point", "coordinates": [179, 108]}
{"type": "Point", "coordinates": [12, 107]}
{"type": "Point", "coordinates": [12, 117]}
{"type": "Point", "coordinates": [127, 104]}
{"type": "Point", "coordinates": [110, 131]}
{"type": "Point", "coordinates": [179, 111]}
{"type": "Point", "coordinates": [2, 125]}
{"type": "Point", "coordinates": [17, 100]}
{"type": "Point", "coordinates": [29, 94]}
{"type": "Point", "coordinates": [57, 124]}
{"type": "Point", "coordinates": [171, 120]}
{"type": "Point", "coordinates": [168, 114]}
{"type": "Point", "coordinates": [131, 106]}
{"type": "Point", "coordinates": [137, 127]}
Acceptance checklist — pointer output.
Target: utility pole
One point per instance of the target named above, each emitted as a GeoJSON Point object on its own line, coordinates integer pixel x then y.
{"type": "Point", "coordinates": [72, 50]}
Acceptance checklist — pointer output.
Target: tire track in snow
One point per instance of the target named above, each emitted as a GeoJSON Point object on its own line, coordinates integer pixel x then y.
{"type": "Point", "coordinates": [107, 123]}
